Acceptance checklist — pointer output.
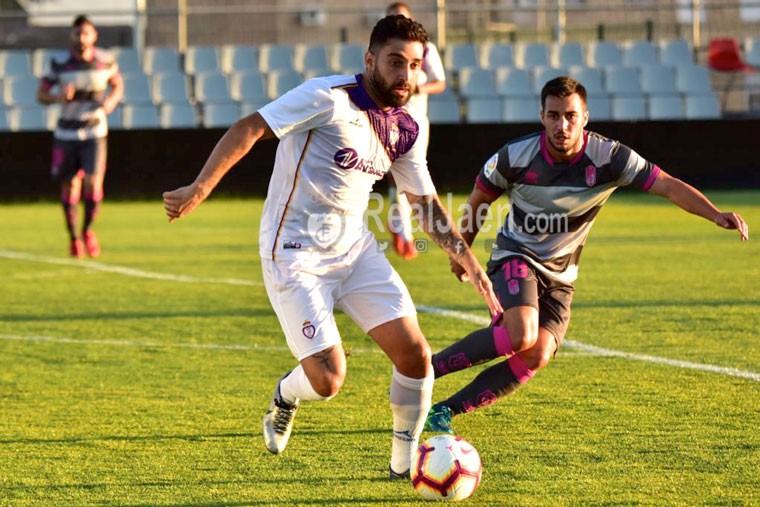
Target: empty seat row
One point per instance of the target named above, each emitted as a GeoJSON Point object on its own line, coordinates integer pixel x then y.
{"type": "Point", "coordinates": [592, 54]}
{"type": "Point", "coordinates": [516, 82]}
{"type": "Point", "coordinates": [525, 110]}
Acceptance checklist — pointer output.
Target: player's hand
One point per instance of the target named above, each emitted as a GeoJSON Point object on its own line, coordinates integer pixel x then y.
{"type": "Point", "coordinates": [67, 93]}
{"type": "Point", "coordinates": [731, 220]}
{"type": "Point", "coordinates": [479, 279]}
{"type": "Point", "coordinates": [182, 201]}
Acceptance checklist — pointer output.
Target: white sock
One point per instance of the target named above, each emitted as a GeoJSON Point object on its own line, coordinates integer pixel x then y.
{"type": "Point", "coordinates": [410, 402]}
{"type": "Point", "coordinates": [296, 386]}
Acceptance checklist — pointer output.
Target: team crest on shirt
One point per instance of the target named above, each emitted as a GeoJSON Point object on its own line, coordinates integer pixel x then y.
{"type": "Point", "coordinates": [590, 176]}
{"type": "Point", "coordinates": [325, 229]}
{"type": "Point", "coordinates": [490, 166]}
{"type": "Point", "coordinates": [308, 329]}
{"type": "Point", "coordinates": [346, 158]}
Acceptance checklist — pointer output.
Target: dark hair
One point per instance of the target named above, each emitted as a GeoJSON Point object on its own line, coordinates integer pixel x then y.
{"type": "Point", "coordinates": [396, 6]}
{"type": "Point", "coordinates": [82, 20]}
{"type": "Point", "coordinates": [396, 27]}
{"type": "Point", "coordinates": [562, 87]}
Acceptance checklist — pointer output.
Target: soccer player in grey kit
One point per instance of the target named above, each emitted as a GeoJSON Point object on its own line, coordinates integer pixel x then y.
{"type": "Point", "coordinates": [557, 181]}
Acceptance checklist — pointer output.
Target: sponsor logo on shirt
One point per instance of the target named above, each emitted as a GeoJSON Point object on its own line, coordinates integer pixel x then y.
{"type": "Point", "coordinates": [348, 158]}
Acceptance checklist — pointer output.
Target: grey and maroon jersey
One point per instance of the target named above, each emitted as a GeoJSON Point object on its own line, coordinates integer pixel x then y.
{"type": "Point", "coordinates": [83, 118]}
{"type": "Point", "coordinates": [552, 205]}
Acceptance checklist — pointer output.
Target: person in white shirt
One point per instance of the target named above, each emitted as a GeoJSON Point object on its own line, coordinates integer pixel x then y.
{"type": "Point", "coordinates": [432, 81]}
{"type": "Point", "coordinates": [338, 136]}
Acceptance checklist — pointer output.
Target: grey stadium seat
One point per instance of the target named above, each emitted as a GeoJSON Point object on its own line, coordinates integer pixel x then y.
{"type": "Point", "coordinates": [444, 111]}
{"type": "Point", "coordinates": [200, 59]}
{"type": "Point", "coordinates": [532, 54]}
{"type": "Point", "coordinates": [347, 57]}
{"type": "Point", "coordinates": [15, 63]}
{"type": "Point", "coordinates": [4, 125]}
{"type": "Point", "coordinates": [159, 60]}
{"type": "Point", "coordinates": [479, 110]}
{"type": "Point", "coordinates": [137, 89]}
{"type": "Point", "coordinates": [275, 57]}
{"type": "Point", "coordinates": [281, 82]}
{"type": "Point", "coordinates": [29, 118]}
{"type": "Point", "coordinates": [493, 56]}
{"type": "Point", "coordinates": [567, 54]}
{"type": "Point", "coordinates": [220, 115]}
{"type": "Point", "coordinates": [474, 82]}
{"type": "Point", "coordinates": [312, 58]}
{"type": "Point", "coordinates": [541, 75]}
{"type": "Point", "coordinates": [599, 107]}
{"type": "Point", "coordinates": [603, 54]}
{"type": "Point", "coordinates": [248, 86]}
{"type": "Point", "coordinates": [638, 53]}
{"type": "Point", "coordinates": [665, 107]}
{"type": "Point", "coordinates": [629, 108]}
{"type": "Point", "coordinates": [622, 81]}
{"type": "Point", "coordinates": [169, 88]}
{"type": "Point", "coordinates": [514, 82]}
{"type": "Point", "coordinates": [693, 79]}
{"type": "Point", "coordinates": [140, 116]}
{"type": "Point", "coordinates": [675, 52]}
{"type": "Point", "coordinates": [248, 108]}
{"type": "Point", "coordinates": [177, 116]}
{"type": "Point", "coordinates": [128, 60]}
{"type": "Point", "coordinates": [590, 78]}
{"type": "Point", "coordinates": [702, 107]}
{"type": "Point", "coordinates": [460, 56]}
{"type": "Point", "coordinates": [42, 57]}
{"type": "Point", "coordinates": [212, 87]}
{"type": "Point", "coordinates": [20, 90]}
{"type": "Point", "coordinates": [658, 80]}
{"type": "Point", "coordinates": [238, 58]}
{"type": "Point", "coordinates": [520, 110]}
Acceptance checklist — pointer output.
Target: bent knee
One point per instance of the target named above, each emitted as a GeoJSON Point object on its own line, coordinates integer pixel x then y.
{"type": "Point", "coordinates": [524, 341]}
{"type": "Point", "coordinates": [327, 385]}
{"type": "Point", "coordinates": [536, 358]}
{"type": "Point", "coordinates": [415, 360]}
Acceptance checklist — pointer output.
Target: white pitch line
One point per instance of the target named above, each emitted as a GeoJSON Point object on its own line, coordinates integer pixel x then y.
{"type": "Point", "coordinates": [482, 321]}
{"type": "Point", "coordinates": [123, 270]}
{"type": "Point", "coordinates": [599, 351]}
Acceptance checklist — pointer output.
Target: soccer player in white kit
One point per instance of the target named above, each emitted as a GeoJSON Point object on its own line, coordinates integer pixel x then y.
{"type": "Point", "coordinates": [432, 81]}
{"type": "Point", "coordinates": [338, 136]}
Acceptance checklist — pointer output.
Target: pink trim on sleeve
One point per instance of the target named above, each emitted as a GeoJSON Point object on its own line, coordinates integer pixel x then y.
{"type": "Point", "coordinates": [652, 177]}
{"type": "Point", "coordinates": [485, 189]}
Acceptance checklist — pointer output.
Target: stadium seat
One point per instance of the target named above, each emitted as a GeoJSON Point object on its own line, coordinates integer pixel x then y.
{"type": "Point", "coordinates": [693, 79]}
{"type": "Point", "coordinates": [567, 54]}
{"type": "Point", "coordinates": [212, 87]}
{"type": "Point", "coordinates": [460, 56]}
{"type": "Point", "coordinates": [312, 58]}
{"type": "Point", "coordinates": [513, 82]}
{"type": "Point", "coordinates": [248, 108]}
{"type": "Point", "coordinates": [493, 56]}
{"type": "Point", "coordinates": [177, 116]}
{"type": "Point", "coordinates": [675, 52]}
{"type": "Point", "coordinates": [4, 125]}
{"type": "Point", "coordinates": [665, 107]}
{"type": "Point", "coordinates": [42, 57]}
{"type": "Point", "coordinates": [248, 86]}
{"type": "Point", "coordinates": [172, 87]}
{"type": "Point", "coordinates": [220, 115]}
{"type": "Point", "coordinates": [345, 58]}
{"type": "Point", "coordinates": [52, 112]}
{"type": "Point", "coordinates": [541, 75]}
{"type": "Point", "coordinates": [444, 111]}
{"type": "Point", "coordinates": [752, 51]}
{"type": "Point", "coordinates": [128, 60]}
{"type": "Point", "coordinates": [520, 110]}
{"type": "Point", "coordinates": [309, 74]}
{"type": "Point", "coordinates": [702, 107]}
{"type": "Point", "coordinates": [603, 54]}
{"type": "Point", "coordinates": [629, 108]}
{"type": "Point", "coordinates": [599, 107]}
{"type": "Point", "coordinates": [137, 89]}
{"type": "Point", "coordinates": [622, 81]}
{"type": "Point", "coordinates": [475, 82]}
{"type": "Point", "coordinates": [27, 118]}
{"type": "Point", "coordinates": [159, 60]}
{"type": "Point", "coordinates": [589, 77]}
{"type": "Point", "coordinates": [638, 53]}
{"type": "Point", "coordinates": [274, 57]}
{"type": "Point", "coordinates": [15, 63]}
{"type": "Point", "coordinates": [115, 119]}
{"type": "Point", "coordinates": [658, 79]}
{"type": "Point", "coordinates": [483, 110]}
{"type": "Point", "coordinates": [532, 54]}
{"type": "Point", "coordinates": [201, 59]}
{"type": "Point", "coordinates": [282, 81]}
{"type": "Point", "coordinates": [238, 58]}
{"type": "Point", "coordinates": [139, 116]}
{"type": "Point", "coordinates": [20, 91]}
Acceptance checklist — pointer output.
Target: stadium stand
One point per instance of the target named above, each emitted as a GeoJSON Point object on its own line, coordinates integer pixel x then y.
{"type": "Point", "coordinates": [639, 53]}
{"type": "Point", "coordinates": [665, 107]}
{"type": "Point", "coordinates": [137, 89]}
{"type": "Point", "coordinates": [460, 56]}
{"type": "Point", "coordinates": [139, 116]}
{"type": "Point", "coordinates": [248, 86]}
{"type": "Point", "coordinates": [483, 110]}
{"type": "Point", "coordinates": [675, 52]}
{"type": "Point", "coordinates": [693, 79]}
{"type": "Point", "coordinates": [622, 81]}
{"type": "Point", "coordinates": [281, 81]}
{"type": "Point", "coordinates": [493, 56]}
{"type": "Point", "coordinates": [274, 57]}
{"type": "Point", "coordinates": [752, 51]}
{"type": "Point", "coordinates": [477, 83]}
{"type": "Point", "coordinates": [220, 115]}
{"type": "Point", "coordinates": [629, 108]}
{"type": "Point", "coordinates": [201, 59]}
{"type": "Point", "coordinates": [313, 58]}
{"type": "Point", "coordinates": [591, 77]}
{"type": "Point", "coordinates": [170, 87]}
{"type": "Point", "coordinates": [513, 82]}
{"type": "Point", "coordinates": [345, 58]}
{"type": "Point", "coordinates": [177, 116]}
{"type": "Point", "coordinates": [444, 110]}
{"type": "Point", "coordinates": [42, 57]}
{"type": "Point", "coordinates": [657, 79]}
{"type": "Point", "coordinates": [603, 54]}
{"type": "Point", "coordinates": [532, 54]}
{"type": "Point", "coordinates": [128, 60]}
{"type": "Point", "coordinates": [567, 54]}
{"type": "Point", "coordinates": [702, 107]}
{"type": "Point", "coordinates": [543, 74]}
{"type": "Point", "coordinates": [20, 90]}
{"type": "Point", "coordinates": [520, 110]}
{"type": "Point", "coordinates": [159, 60]}
{"type": "Point", "coordinates": [212, 87]}
{"type": "Point", "coordinates": [27, 118]}
{"type": "Point", "coordinates": [238, 58]}
{"type": "Point", "coordinates": [15, 63]}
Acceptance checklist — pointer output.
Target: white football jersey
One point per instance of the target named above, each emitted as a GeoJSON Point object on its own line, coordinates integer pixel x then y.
{"type": "Point", "coordinates": [335, 143]}
{"type": "Point", "coordinates": [432, 70]}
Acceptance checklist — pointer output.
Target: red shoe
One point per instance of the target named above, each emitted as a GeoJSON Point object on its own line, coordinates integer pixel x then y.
{"type": "Point", "coordinates": [398, 242]}
{"type": "Point", "coordinates": [409, 251]}
{"type": "Point", "coordinates": [77, 248]}
{"type": "Point", "coordinates": [91, 242]}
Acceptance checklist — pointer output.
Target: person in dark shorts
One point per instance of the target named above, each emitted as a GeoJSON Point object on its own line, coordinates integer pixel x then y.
{"type": "Point", "coordinates": [557, 181]}
{"type": "Point", "coordinates": [80, 84]}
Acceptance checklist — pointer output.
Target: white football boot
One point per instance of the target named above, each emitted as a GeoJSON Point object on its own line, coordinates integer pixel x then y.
{"type": "Point", "coordinates": [278, 422]}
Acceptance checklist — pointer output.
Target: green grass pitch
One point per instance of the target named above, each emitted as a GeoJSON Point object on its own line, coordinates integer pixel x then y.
{"type": "Point", "coordinates": [141, 379]}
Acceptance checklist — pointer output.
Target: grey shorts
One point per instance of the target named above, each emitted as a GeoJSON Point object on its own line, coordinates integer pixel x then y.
{"type": "Point", "coordinates": [517, 283]}
{"type": "Point", "coordinates": [69, 157]}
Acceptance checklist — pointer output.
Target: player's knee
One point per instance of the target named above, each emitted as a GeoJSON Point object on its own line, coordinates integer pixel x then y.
{"type": "Point", "coordinates": [536, 358]}
{"type": "Point", "coordinates": [524, 340]}
{"type": "Point", "coordinates": [415, 360]}
{"type": "Point", "coordinates": [328, 384]}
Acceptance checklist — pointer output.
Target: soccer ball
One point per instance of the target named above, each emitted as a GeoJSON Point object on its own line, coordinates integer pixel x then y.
{"type": "Point", "coordinates": [446, 467]}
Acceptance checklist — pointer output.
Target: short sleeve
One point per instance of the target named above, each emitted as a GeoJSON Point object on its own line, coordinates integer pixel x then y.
{"type": "Point", "coordinates": [305, 107]}
{"type": "Point", "coordinates": [410, 172]}
{"type": "Point", "coordinates": [634, 170]}
{"type": "Point", "coordinates": [433, 66]}
{"type": "Point", "coordinates": [492, 177]}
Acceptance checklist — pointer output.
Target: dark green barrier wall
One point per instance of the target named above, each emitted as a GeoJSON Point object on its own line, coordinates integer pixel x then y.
{"type": "Point", "coordinates": [144, 163]}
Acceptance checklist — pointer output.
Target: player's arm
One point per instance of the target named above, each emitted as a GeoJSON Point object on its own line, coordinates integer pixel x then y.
{"type": "Point", "coordinates": [692, 200]}
{"type": "Point", "coordinates": [235, 143]}
{"type": "Point", "coordinates": [116, 94]}
{"type": "Point", "coordinates": [432, 87]}
{"type": "Point", "coordinates": [470, 224]}
{"type": "Point", "coordinates": [441, 229]}
{"type": "Point", "coordinates": [45, 95]}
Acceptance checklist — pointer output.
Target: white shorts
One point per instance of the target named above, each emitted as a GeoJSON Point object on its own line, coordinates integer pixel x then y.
{"type": "Point", "coordinates": [305, 292]}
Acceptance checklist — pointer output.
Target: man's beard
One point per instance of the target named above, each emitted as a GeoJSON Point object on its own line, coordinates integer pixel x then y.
{"type": "Point", "coordinates": [384, 91]}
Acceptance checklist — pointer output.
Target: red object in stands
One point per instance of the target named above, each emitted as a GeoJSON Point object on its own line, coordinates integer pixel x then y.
{"type": "Point", "coordinates": [723, 54]}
